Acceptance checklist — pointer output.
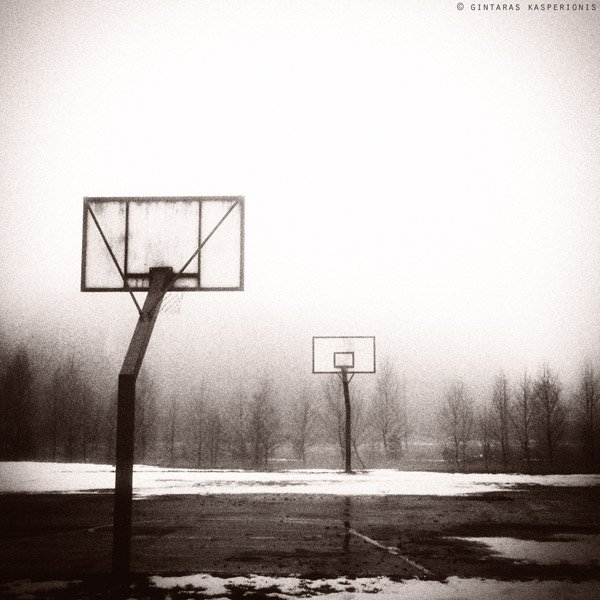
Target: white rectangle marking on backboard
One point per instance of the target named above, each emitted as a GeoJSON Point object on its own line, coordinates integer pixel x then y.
{"type": "Point", "coordinates": [343, 359]}
{"type": "Point", "coordinates": [325, 349]}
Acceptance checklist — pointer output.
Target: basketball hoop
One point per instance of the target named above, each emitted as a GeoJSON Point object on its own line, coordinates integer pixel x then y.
{"type": "Point", "coordinates": [154, 244]}
{"type": "Point", "coordinates": [346, 355]}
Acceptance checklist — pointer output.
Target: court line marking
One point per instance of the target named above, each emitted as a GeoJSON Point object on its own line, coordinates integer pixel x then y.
{"type": "Point", "coordinates": [390, 550]}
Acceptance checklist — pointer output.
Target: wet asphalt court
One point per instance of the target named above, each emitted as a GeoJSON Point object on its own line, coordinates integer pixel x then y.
{"type": "Point", "coordinates": [54, 535]}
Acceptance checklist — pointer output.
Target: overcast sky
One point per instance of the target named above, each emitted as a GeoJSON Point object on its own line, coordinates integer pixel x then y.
{"type": "Point", "coordinates": [411, 171]}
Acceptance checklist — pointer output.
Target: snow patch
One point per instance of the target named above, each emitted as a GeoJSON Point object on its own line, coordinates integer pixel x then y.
{"type": "Point", "coordinates": [32, 477]}
{"type": "Point", "coordinates": [341, 588]}
{"type": "Point", "coordinates": [561, 549]}
{"type": "Point", "coordinates": [382, 588]}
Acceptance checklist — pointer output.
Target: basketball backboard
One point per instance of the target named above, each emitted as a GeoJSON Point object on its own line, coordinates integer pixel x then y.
{"type": "Point", "coordinates": [200, 238]}
{"type": "Point", "coordinates": [355, 354]}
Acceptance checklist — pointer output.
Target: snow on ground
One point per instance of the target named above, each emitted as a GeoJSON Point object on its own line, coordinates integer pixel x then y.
{"type": "Point", "coordinates": [375, 588]}
{"type": "Point", "coordinates": [560, 549]}
{"type": "Point", "coordinates": [33, 477]}
{"type": "Point", "coordinates": [382, 588]}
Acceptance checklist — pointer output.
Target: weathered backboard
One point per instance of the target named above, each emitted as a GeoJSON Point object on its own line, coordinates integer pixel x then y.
{"type": "Point", "coordinates": [354, 353]}
{"type": "Point", "coordinates": [124, 237]}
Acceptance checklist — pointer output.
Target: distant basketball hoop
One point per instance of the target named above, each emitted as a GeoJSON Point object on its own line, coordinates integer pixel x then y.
{"type": "Point", "coordinates": [342, 356]}
{"type": "Point", "coordinates": [354, 353]}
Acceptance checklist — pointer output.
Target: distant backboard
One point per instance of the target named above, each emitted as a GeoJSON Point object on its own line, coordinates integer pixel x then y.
{"type": "Point", "coordinates": [124, 237]}
{"type": "Point", "coordinates": [354, 353]}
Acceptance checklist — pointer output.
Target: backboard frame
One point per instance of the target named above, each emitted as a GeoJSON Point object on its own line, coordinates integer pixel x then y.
{"type": "Point", "coordinates": [342, 349]}
{"type": "Point", "coordinates": [141, 287]}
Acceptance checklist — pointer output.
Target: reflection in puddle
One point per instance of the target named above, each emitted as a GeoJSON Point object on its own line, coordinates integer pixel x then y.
{"type": "Point", "coordinates": [570, 549]}
{"type": "Point", "coordinates": [347, 524]}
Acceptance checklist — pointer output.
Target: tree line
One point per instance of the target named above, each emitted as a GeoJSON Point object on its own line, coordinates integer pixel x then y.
{"type": "Point", "coordinates": [531, 424]}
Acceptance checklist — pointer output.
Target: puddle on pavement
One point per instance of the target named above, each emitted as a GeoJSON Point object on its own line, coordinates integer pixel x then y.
{"type": "Point", "coordinates": [559, 549]}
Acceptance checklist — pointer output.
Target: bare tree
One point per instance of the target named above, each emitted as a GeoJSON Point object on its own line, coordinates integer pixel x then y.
{"type": "Point", "coordinates": [171, 429]}
{"type": "Point", "coordinates": [388, 411]}
{"type": "Point", "coordinates": [77, 411]}
{"type": "Point", "coordinates": [237, 428]}
{"type": "Point", "coordinates": [55, 407]}
{"type": "Point", "coordinates": [485, 428]}
{"type": "Point", "coordinates": [501, 420]}
{"type": "Point", "coordinates": [72, 415]}
{"type": "Point", "coordinates": [5, 407]}
{"type": "Point", "coordinates": [91, 415]}
{"type": "Point", "coordinates": [264, 432]}
{"type": "Point", "coordinates": [199, 421]}
{"type": "Point", "coordinates": [146, 415]}
{"type": "Point", "coordinates": [303, 425]}
{"type": "Point", "coordinates": [214, 436]}
{"type": "Point", "coordinates": [523, 416]}
{"type": "Point", "coordinates": [550, 411]}
{"type": "Point", "coordinates": [18, 408]}
{"type": "Point", "coordinates": [109, 427]}
{"type": "Point", "coordinates": [588, 400]}
{"type": "Point", "coordinates": [333, 415]}
{"type": "Point", "coordinates": [456, 420]}
{"type": "Point", "coordinates": [333, 411]}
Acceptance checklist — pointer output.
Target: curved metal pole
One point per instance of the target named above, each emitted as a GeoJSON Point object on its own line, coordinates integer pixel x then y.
{"type": "Point", "coordinates": [160, 280]}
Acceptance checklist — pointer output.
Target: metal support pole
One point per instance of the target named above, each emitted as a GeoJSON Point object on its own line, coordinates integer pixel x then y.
{"type": "Point", "coordinates": [348, 434]}
{"type": "Point", "coordinates": [160, 280]}
{"type": "Point", "coordinates": [124, 475]}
